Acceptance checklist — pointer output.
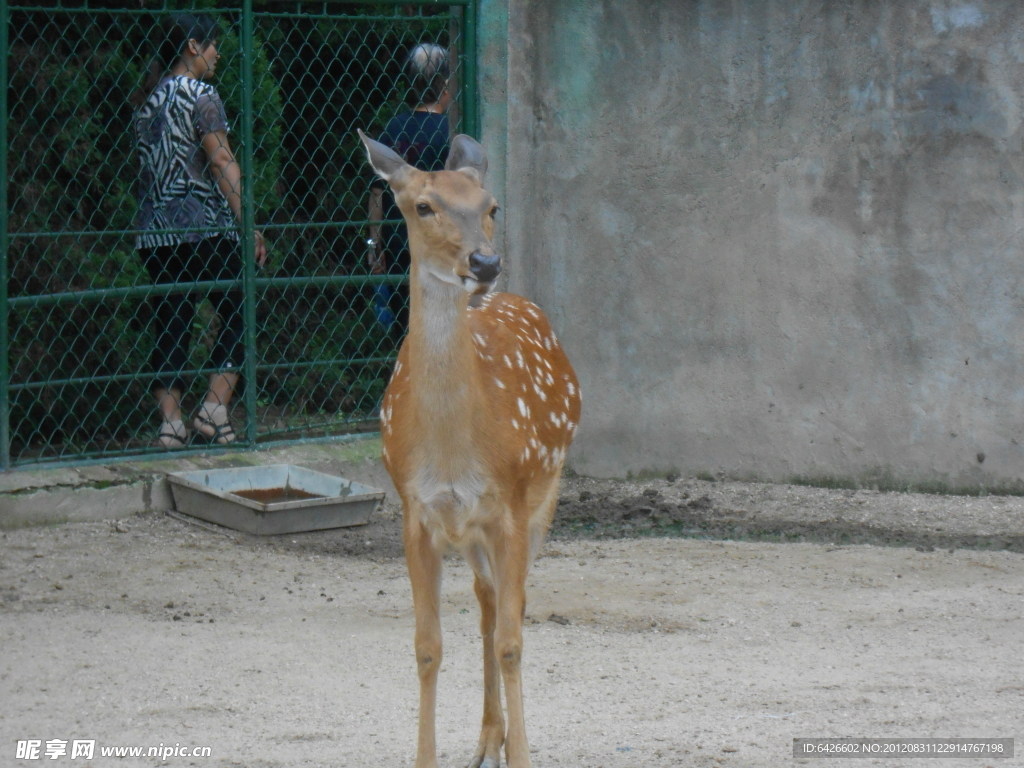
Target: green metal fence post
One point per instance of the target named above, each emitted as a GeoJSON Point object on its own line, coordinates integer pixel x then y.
{"type": "Point", "coordinates": [5, 404]}
{"type": "Point", "coordinates": [248, 225]}
{"type": "Point", "coordinates": [469, 84]}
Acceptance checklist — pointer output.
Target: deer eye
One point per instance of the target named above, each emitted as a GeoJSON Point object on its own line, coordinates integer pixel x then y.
{"type": "Point", "coordinates": [493, 212]}
{"type": "Point", "coordinates": [423, 209]}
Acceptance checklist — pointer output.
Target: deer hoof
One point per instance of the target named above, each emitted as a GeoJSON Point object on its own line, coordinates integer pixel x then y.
{"type": "Point", "coordinates": [484, 762]}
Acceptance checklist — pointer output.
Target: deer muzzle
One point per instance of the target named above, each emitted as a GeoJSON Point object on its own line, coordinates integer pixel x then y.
{"type": "Point", "coordinates": [485, 269]}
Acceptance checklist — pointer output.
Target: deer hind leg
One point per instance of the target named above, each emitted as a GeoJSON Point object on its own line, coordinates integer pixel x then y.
{"type": "Point", "coordinates": [492, 731]}
{"type": "Point", "coordinates": [424, 564]}
{"type": "Point", "coordinates": [512, 563]}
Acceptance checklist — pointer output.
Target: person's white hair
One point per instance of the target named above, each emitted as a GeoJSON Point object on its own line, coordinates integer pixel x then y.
{"type": "Point", "coordinates": [427, 69]}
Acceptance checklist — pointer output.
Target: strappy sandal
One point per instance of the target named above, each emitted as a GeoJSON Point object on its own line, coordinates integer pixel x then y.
{"type": "Point", "coordinates": [170, 440]}
{"type": "Point", "coordinates": [223, 434]}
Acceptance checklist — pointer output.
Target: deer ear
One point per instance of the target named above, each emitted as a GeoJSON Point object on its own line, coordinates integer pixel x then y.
{"type": "Point", "coordinates": [467, 155]}
{"type": "Point", "coordinates": [387, 163]}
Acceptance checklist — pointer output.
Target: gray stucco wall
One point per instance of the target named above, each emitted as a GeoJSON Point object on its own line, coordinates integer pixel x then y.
{"type": "Point", "coordinates": [778, 238]}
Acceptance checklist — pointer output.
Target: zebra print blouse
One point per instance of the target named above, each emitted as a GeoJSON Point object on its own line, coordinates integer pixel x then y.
{"type": "Point", "coordinates": [175, 189]}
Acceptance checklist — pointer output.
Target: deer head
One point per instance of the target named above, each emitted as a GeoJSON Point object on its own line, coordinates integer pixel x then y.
{"type": "Point", "coordinates": [449, 214]}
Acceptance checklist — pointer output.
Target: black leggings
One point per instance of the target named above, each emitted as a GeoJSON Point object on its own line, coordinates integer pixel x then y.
{"type": "Point", "coordinates": [216, 258]}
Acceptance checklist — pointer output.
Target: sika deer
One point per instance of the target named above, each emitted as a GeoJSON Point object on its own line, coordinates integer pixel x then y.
{"type": "Point", "coordinates": [475, 422]}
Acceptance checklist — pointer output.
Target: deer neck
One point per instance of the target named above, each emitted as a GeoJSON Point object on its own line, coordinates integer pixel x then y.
{"type": "Point", "coordinates": [442, 356]}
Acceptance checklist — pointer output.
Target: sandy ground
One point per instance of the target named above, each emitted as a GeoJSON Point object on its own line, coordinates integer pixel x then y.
{"type": "Point", "coordinates": [297, 650]}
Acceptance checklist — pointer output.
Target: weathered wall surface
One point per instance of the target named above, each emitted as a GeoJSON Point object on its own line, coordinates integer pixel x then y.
{"type": "Point", "coordinates": [778, 237]}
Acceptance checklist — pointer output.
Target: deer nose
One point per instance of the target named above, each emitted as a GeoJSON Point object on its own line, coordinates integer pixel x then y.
{"type": "Point", "coordinates": [484, 268]}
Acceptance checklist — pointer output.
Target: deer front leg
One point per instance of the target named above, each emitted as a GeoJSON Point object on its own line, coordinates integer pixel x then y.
{"type": "Point", "coordinates": [425, 574]}
{"type": "Point", "coordinates": [511, 570]}
{"type": "Point", "coordinates": [492, 731]}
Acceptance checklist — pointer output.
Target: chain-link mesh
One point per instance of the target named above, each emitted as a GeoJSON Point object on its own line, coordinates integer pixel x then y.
{"type": "Point", "coordinates": [81, 306]}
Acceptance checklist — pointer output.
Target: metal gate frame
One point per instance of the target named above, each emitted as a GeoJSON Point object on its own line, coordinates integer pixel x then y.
{"type": "Point", "coordinates": [468, 103]}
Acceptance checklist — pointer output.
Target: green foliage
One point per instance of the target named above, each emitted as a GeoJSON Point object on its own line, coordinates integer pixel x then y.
{"type": "Point", "coordinates": [69, 141]}
{"type": "Point", "coordinates": [267, 118]}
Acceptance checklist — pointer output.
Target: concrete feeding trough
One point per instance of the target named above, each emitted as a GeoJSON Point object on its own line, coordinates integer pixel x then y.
{"type": "Point", "coordinates": [279, 498]}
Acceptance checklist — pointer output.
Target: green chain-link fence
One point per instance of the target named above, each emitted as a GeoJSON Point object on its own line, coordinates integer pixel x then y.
{"type": "Point", "coordinates": [77, 323]}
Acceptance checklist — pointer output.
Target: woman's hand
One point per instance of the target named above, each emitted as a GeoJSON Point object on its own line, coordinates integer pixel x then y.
{"type": "Point", "coordinates": [375, 257]}
{"type": "Point", "coordinates": [261, 249]}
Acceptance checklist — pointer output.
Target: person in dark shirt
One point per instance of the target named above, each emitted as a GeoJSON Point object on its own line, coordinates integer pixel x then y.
{"type": "Point", "coordinates": [421, 138]}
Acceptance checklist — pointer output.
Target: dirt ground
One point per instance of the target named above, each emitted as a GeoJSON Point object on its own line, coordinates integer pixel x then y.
{"type": "Point", "coordinates": [642, 647]}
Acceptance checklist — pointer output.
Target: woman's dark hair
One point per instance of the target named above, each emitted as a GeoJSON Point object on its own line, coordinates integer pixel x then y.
{"type": "Point", "coordinates": [179, 29]}
{"type": "Point", "coordinates": [426, 66]}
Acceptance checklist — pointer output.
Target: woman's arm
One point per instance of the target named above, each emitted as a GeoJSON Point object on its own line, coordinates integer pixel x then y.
{"type": "Point", "coordinates": [228, 176]}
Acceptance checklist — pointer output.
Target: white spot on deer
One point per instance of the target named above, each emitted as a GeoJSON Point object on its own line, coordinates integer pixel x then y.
{"type": "Point", "coordinates": [508, 362]}
{"type": "Point", "coordinates": [522, 406]}
{"type": "Point", "coordinates": [539, 358]}
{"type": "Point", "coordinates": [519, 359]}
{"type": "Point", "coordinates": [515, 424]}
{"type": "Point", "coordinates": [572, 427]}
{"type": "Point", "coordinates": [564, 419]}
{"type": "Point", "coordinates": [572, 389]}
{"type": "Point", "coordinates": [526, 454]}
{"type": "Point", "coordinates": [544, 452]}
{"type": "Point", "coordinates": [531, 311]}
{"type": "Point", "coordinates": [500, 383]}
{"type": "Point", "coordinates": [555, 419]}
{"type": "Point", "coordinates": [549, 379]}
{"type": "Point", "coordinates": [548, 364]}
{"type": "Point", "coordinates": [398, 367]}
{"type": "Point", "coordinates": [547, 342]}
{"type": "Point", "coordinates": [479, 339]}
{"type": "Point", "coordinates": [540, 392]}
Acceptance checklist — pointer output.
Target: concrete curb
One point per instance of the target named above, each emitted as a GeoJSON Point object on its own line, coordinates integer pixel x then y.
{"type": "Point", "coordinates": [119, 489]}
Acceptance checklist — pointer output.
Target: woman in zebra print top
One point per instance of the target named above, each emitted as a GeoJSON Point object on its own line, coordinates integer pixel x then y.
{"type": "Point", "coordinates": [189, 194]}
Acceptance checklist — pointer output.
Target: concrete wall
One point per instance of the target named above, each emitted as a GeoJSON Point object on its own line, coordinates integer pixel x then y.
{"type": "Point", "coordinates": [778, 237]}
